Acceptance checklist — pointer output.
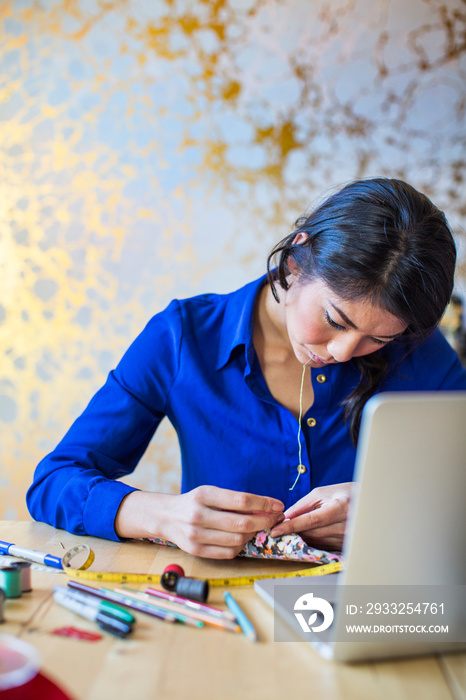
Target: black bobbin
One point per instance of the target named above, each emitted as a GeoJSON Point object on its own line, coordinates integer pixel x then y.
{"type": "Point", "coordinates": [193, 588]}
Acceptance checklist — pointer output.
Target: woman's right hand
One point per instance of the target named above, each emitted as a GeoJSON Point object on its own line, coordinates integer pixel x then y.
{"type": "Point", "coordinates": [208, 521]}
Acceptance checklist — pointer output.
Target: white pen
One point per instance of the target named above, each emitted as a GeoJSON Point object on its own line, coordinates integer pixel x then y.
{"type": "Point", "coordinates": [105, 622]}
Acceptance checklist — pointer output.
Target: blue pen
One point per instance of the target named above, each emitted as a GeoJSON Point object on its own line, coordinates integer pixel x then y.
{"type": "Point", "coordinates": [244, 623]}
{"type": "Point", "coordinates": [30, 555]}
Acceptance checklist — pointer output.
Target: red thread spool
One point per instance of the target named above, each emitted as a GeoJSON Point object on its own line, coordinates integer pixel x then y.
{"type": "Point", "coordinates": [171, 574]}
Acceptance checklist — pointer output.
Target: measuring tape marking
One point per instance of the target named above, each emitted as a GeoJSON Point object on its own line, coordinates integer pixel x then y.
{"type": "Point", "coordinates": [83, 573]}
{"type": "Point", "coordinates": [118, 577]}
{"type": "Point", "coordinates": [73, 552]}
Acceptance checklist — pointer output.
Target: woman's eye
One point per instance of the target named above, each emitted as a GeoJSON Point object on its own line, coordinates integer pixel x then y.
{"type": "Point", "coordinates": [333, 323]}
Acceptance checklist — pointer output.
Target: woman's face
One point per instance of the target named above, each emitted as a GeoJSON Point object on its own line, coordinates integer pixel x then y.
{"type": "Point", "coordinates": [325, 329]}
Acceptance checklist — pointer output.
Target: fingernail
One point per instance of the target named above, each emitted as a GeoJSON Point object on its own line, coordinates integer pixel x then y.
{"type": "Point", "coordinates": [276, 533]}
{"type": "Point", "coordinates": [277, 507]}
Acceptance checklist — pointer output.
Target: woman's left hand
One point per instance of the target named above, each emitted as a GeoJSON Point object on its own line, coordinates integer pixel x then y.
{"type": "Point", "coordinates": [319, 517]}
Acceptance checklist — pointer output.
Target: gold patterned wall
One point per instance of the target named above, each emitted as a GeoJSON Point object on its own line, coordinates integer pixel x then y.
{"type": "Point", "coordinates": [153, 149]}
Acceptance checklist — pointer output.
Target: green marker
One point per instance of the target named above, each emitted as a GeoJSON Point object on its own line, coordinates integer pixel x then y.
{"type": "Point", "coordinates": [99, 604]}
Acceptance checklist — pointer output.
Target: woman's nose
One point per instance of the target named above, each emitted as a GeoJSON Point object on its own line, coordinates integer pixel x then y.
{"type": "Point", "coordinates": [343, 349]}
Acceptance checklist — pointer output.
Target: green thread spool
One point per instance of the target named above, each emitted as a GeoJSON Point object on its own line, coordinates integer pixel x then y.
{"type": "Point", "coordinates": [10, 581]}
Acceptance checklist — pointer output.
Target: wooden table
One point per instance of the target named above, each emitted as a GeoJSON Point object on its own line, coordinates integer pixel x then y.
{"type": "Point", "coordinates": [174, 662]}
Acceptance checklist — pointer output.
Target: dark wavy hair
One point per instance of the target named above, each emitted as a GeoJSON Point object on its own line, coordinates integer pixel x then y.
{"type": "Point", "coordinates": [379, 240]}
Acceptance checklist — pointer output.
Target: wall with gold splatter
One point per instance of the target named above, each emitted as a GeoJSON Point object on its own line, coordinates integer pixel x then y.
{"type": "Point", "coordinates": [158, 149]}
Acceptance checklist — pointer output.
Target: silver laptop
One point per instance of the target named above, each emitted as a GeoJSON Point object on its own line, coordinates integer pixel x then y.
{"type": "Point", "coordinates": [404, 550]}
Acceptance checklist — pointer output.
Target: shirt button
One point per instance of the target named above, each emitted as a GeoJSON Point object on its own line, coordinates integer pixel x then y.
{"type": "Point", "coordinates": [321, 378]}
{"type": "Point", "coordinates": [311, 422]}
{"type": "Point", "coordinates": [302, 469]}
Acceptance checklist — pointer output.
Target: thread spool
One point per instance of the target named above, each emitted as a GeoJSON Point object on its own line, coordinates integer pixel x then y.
{"type": "Point", "coordinates": [25, 575]}
{"type": "Point", "coordinates": [2, 603]}
{"type": "Point", "coordinates": [174, 580]}
{"type": "Point", "coordinates": [10, 581]}
{"type": "Point", "coordinates": [171, 574]}
{"type": "Point", "coordinates": [193, 588]}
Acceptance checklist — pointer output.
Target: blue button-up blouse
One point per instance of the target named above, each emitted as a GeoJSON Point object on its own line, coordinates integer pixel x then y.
{"type": "Point", "coordinates": [195, 363]}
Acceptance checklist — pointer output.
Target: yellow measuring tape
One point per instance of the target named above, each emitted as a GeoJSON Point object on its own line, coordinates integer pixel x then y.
{"type": "Point", "coordinates": [118, 577]}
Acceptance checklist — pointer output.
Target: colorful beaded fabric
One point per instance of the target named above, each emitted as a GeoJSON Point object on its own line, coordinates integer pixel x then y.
{"type": "Point", "coordinates": [288, 547]}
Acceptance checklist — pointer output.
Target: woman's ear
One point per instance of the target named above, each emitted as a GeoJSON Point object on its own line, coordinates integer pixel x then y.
{"type": "Point", "coordinates": [301, 238]}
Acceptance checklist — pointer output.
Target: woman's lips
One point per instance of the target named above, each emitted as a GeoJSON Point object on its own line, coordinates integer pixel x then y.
{"type": "Point", "coordinates": [317, 359]}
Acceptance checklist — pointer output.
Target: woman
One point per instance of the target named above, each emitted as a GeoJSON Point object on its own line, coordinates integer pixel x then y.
{"type": "Point", "coordinates": [265, 386]}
